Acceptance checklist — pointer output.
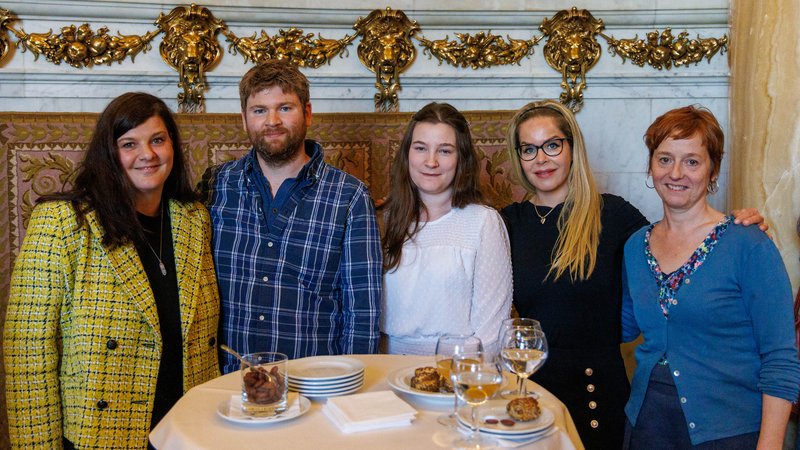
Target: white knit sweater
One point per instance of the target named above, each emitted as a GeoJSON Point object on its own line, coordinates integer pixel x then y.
{"type": "Point", "coordinates": [453, 277]}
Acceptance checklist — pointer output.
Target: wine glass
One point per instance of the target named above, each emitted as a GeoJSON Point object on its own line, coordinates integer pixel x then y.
{"type": "Point", "coordinates": [475, 382]}
{"type": "Point", "coordinates": [523, 350]}
{"type": "Point", "coordinates": [505, 325]}
{"type": "Point", "coordinates": [448, 346]}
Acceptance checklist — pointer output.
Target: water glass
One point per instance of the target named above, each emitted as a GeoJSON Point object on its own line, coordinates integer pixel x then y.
{"type": "Point", "coordinates": [449, 346]}
{"type": "Point", "coordinates": [505, 325]}
{"type": "Point", "coordinates": [523, 350]}
{"type": "Point", "coordinates": [475, 382]}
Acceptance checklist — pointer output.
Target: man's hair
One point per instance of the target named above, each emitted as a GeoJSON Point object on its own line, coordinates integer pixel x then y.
{"type": "Point", "coordinates": [274, 73]}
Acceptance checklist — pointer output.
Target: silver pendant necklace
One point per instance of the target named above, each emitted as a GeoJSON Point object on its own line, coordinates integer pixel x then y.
{"type": "Point", "coordinates": [160, 243]}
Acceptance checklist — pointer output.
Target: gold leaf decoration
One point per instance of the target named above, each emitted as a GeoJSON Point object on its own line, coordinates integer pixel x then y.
{"type": "Point", "coordinates": [386, 49]}
{"type": "Point", "coordinates": [293, 46]}
{"type": "Point", "coordinates": [190, 47]}
{"type": "Point", "coordinates": [663, 50]}
{"type": "Point", "coordinates": [82, 47]}
{"type": "Point", "coordinates": [572, 49]}
{"type": "Point", "coordinates": [5, 20]}
{"type": "Point", "coordinates": [479, 51]}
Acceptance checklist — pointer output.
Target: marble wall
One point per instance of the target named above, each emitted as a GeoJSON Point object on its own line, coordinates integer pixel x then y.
{"type": "Point", "coordinates": [621, 99]}
{"type": "Point", "coordinates": [765, 114]}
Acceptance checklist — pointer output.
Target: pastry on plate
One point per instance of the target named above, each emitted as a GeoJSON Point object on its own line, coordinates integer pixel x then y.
{"type": "Point", "coordinates": [426, 379]}
{"type": "Point", "coordinates": [524, 409]}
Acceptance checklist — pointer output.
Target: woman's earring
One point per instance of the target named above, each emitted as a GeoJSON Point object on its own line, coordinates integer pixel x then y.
{"type": "Point", "coordinates": [713, 186]}
{"type": "Point", "coordinates": [649, 186]}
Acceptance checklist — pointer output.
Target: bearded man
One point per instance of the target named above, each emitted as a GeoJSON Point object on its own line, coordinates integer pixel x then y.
{"type": "Point", "coordinates": [295, 240]}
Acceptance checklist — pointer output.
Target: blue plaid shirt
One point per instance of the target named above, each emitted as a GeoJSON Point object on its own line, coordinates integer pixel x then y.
{"type": "Point", "coordinates": [309, 284]}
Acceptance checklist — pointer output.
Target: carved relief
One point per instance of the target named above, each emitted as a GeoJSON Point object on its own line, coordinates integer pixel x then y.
{"type": "Point", "coordinates": [190, 46]}
{"type": "Point", "coordinates": [572, 49]}
{"type": "Point", "coordinates": [5, 21]}
{"type": "Point", "coordinates": [663, 50]}
{"type": "Point", "coordinates": [293, 46]}
{"type": "Point", "coordinates": [386, 49]}
{"type": "Point", "coordinates": [479, 51]}
{"type": "Point", "coordinates": [80, 46]}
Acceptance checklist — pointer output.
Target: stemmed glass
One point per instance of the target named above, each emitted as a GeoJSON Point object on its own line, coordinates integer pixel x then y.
{"type": "Point", "coordinates": [505, 325]}
{"type": "Point", "coordinates": [523, 350]}
{"type": "Point", "coordinates": [475, 382]}
{"type": "Point", "coordinates": [447, 347]}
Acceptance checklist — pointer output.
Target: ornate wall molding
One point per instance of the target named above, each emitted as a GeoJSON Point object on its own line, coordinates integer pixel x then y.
{"type": "Point", "coordinates": [190, 46]}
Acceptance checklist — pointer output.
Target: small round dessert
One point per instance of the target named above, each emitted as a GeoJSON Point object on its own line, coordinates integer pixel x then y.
{"type": "Point", "coordinates": [524, 409]}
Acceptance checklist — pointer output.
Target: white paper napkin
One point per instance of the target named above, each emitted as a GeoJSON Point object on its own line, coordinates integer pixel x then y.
{"type": "Point", "coordinates": [368, 411]}
{"type": "Point", "coordinates": [235, 408]}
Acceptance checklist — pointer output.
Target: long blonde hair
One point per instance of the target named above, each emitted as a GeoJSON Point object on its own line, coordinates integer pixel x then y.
{"type": "Point", "coordinates": [579, 226]}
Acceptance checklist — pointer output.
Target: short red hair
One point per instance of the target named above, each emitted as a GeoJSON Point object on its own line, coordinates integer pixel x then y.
{"type": "Point", "coordinates": [684, 123]}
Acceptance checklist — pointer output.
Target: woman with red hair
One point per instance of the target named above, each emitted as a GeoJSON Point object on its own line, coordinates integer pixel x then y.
{"type": "Point", "coordinates": [718, 367]}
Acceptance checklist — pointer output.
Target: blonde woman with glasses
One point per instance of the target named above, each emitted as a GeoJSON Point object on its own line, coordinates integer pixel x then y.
{"type": "Point", "coordinates": [566, 251]}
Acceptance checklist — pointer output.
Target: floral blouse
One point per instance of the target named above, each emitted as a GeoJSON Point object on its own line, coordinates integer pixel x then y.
{"type": "Point", "coordinates": [668, 284]}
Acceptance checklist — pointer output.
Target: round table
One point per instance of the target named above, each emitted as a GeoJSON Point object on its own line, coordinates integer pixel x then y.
{"type": "Point", "coordinates": [193, 423]}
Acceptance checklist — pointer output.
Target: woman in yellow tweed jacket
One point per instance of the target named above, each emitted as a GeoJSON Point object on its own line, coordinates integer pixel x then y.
{"type": "Point", "coordinates": [114, 307]}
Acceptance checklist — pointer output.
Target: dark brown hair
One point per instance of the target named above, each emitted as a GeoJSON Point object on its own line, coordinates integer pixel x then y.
{"type": "Point", "coordinates": [404, 207]}
{"type": "Point", "coordinates": [684, 123]}
{"type": "Point", "coordinates": [274, 73]}
{"type": "Point", "coordinates": [101, 184]}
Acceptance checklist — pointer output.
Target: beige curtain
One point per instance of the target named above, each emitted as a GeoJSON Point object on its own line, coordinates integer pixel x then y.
{"type": "Point", "coordinates": [765, 118]}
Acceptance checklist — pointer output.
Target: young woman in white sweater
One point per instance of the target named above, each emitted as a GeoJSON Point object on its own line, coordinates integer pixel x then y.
{"type": "Point", "coordinates": [447, 265]}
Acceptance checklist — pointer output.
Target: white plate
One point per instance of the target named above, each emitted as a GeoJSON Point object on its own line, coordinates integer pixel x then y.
{"type": "Point", "coordinates": [316, 395]}
{"type": "Point", "coordinates": [340, 381]}
{"type": "Point", "coordinates": [336, 387]}
{"type": "Point", "coordinates": [497, 409]}
{"type": "Point", "coordinates": [224, 407]}
{"type": "Point", "coordinates": [400, 380]}
{"type": "Point", "coordinates": [324, 368]}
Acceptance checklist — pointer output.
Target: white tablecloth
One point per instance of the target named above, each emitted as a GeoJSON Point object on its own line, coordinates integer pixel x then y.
{"type": "Point", "coordinates": [194, 424]}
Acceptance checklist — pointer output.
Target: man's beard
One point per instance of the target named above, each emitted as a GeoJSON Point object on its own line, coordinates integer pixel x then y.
{"type": "Point", "coordinates": [277, 154]}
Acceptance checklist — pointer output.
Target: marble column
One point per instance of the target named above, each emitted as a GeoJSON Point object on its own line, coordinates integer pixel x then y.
{"type": "Point", "coordinates": [765, 118]}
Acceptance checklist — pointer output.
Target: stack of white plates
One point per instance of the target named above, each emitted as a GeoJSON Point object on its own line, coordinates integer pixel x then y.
{"type": "Point", "coordinates": [326, 376]}
{"type": "Point", "coordinates": [521, 431]}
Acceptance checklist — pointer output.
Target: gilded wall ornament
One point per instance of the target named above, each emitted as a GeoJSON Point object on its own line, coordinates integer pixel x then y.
{"type": "Point", "coordinates": [190, 46]}
{"type": "Point", "coordinates": [479, 51]}
{"type": "Point", "coordinates": [293, 46]}
{"type": "Point", "coordinates": [5, 22]}
{"type": "Point", "coordinates": [81, 46]}
{"type": "Point", "coordinates": [386, 49]}
{"type": "Point", "coordinates": [572, 49]}
{"type": "Point", "coordinates": [663, 50]}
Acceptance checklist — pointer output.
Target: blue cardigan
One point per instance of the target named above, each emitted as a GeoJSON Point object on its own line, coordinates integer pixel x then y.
{"type": "Point", "coordinates": [729, 338]}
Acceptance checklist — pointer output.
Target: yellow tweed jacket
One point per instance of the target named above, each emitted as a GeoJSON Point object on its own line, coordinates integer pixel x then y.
{"type": "Point", "coordinates": [82, 341]}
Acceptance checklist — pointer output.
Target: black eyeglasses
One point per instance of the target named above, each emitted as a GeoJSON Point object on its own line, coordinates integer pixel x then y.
{"type": "Point", "coordinates": [552, 147]}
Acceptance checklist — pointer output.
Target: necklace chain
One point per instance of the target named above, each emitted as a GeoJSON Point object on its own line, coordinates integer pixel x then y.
{"type": "Point", "coordinates": [160, 243]}
{"type": "Point", "coordinates": [542, 218]}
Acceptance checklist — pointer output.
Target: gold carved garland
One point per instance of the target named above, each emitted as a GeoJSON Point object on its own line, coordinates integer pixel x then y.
{"type": "Point", "coordinates": [190, 46]}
